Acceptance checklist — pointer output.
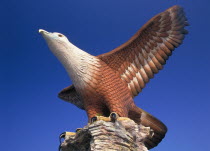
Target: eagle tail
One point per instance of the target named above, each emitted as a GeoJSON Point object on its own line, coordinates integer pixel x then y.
{"type": "Point", "coordinates": [156, 125]}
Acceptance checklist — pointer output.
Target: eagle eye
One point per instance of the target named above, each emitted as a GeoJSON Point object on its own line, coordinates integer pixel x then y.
{"type": "Point", "coordinates": [59, 35]}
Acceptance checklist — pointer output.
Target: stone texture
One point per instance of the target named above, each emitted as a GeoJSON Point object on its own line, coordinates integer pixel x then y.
{"type": "Point", "coordinates": [124, 135]}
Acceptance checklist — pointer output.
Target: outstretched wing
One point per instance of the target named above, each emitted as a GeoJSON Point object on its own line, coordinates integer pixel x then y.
{"type": "Point", "coordinates": [137, 60]}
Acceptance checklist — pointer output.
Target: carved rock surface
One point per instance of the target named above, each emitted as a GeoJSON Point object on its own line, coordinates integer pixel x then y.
{"type": "Point", "coordinates": [123, 135]}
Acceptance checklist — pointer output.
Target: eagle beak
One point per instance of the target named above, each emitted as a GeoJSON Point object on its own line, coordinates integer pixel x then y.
{"type": "Point", "coordinates": [41, 31]}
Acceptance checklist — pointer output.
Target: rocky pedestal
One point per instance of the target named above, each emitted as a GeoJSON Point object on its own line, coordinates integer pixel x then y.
{"type": "Point", "coordinates": [124, 135]}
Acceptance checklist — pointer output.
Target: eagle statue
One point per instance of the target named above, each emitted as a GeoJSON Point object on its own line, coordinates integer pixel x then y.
{"type": "Point", "coordinates": [106, 85]}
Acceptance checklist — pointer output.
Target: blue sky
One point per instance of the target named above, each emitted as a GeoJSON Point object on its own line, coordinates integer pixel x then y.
{"type": "Point", "coordinates": [32, 117]}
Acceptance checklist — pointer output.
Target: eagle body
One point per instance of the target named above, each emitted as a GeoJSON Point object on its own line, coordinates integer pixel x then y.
{"type": "Point", "coordinates": [108, 83]}
{"type": "Point", "coordinates": [107, 93]}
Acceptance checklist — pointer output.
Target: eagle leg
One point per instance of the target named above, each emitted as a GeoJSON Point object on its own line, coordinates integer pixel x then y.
{"type": "Point", "coordinates": [113, 116]}
{"type": "Point", "coordinates": [93, 119]}
{"type": "Point", "coordinates": [98, 118]}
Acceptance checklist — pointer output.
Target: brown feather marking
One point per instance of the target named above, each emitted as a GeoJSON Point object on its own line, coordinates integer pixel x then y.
{"type": "Point", "coordinates": [158, 39]}
{"type": "Point", "coordinates": [165, 24]}
{"type": "Point", "coordinates": [125, 78]}
{"type": "Point", "coordinates": [178, 27]}
{"type": "Point", "coordinates": [150, 45]}
{"type": "Point", "coordinates": [141, 59]}
{"type": "Point", "coordinates": [140, 80]}
{"type": "Point", "coordinates": [174, 43]}
{"type": "Point", "coordinates": [180, 36]}
{"type": "Point", "coordinates": [165, 29]}
{"type": "Point", "coordinates": [168, 45]}
{"type": "Point", "coordinates": [128, 74]}
{"type": "Point", "coordinates": [136, 84]}
{"type": "Point", "coordinates": [133, 88]}
{"type": "Point", "coordinates": [176, 40]}
{"type": "Point", "coordinates": [156, 62]}
{"type": "Point", "coordinates": [165, 49]}
{"type": "Point", "coordinates": [179, 21]}
{"type": "Point", "coordinates": [152, 65]}
{"type": "Point", "coordinates": [163, 34]}
{"type": "Point", "coordinates": [137, 63]}
{"type": "Point", "coordinates": [148, 70]}
{"type": "Point", "coordinates": [131, 70]}
{"type": "Point", "coordinates": [121, 70]}
{"type": "Point", "coordinates": [171, 32]}
{"type": "Point", "coordinates": [153, 43]}
{"type": "Point", "coordinates": [134, 67]}
{"type": "Point", "coordinates": [144, 75]}
{"type": "Point", "coordinates": [144, 54]}
{"type": "Point", "coordinates": [157, 19]}
{"type": "Point", "coordinates": [147, 48]}
{"type": "Point", "coordinates": [153, 33]}
{"type": "Point", "coordinates": [158, 56]}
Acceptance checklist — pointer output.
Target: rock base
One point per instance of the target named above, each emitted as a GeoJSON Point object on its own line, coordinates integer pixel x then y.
{"type": "Point", "coordinates": [124, 135]}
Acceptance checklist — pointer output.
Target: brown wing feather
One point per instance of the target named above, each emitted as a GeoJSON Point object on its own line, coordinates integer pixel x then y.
{"type": "Point", "coordinates": [70, 94]}
{"type": "Point", "coordinates": [137, 60]}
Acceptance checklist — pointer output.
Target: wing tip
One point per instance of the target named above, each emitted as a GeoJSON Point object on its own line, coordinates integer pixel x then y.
{"type": "Point", "coordinates": [63, 92]}
{"type": "Point", "coordinates": [176, 7]}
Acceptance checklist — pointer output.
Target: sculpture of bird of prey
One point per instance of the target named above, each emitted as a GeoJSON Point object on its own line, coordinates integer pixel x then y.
{"type": "Point", "coordinates": [107, 84]}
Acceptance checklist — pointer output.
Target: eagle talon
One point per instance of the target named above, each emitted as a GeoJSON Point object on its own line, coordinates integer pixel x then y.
{"type": "Point", "coordinates": [78, 129]}
{"type": "Point", "coordinates": [113, 116]}
{"type": "Point", "coordinates": [93, 119]}
{"type": "Point", "coordinates": [62, 135]}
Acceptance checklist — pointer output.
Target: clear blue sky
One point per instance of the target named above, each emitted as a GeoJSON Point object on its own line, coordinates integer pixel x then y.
{"type": "Point", "coordinates": [32, 117]}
